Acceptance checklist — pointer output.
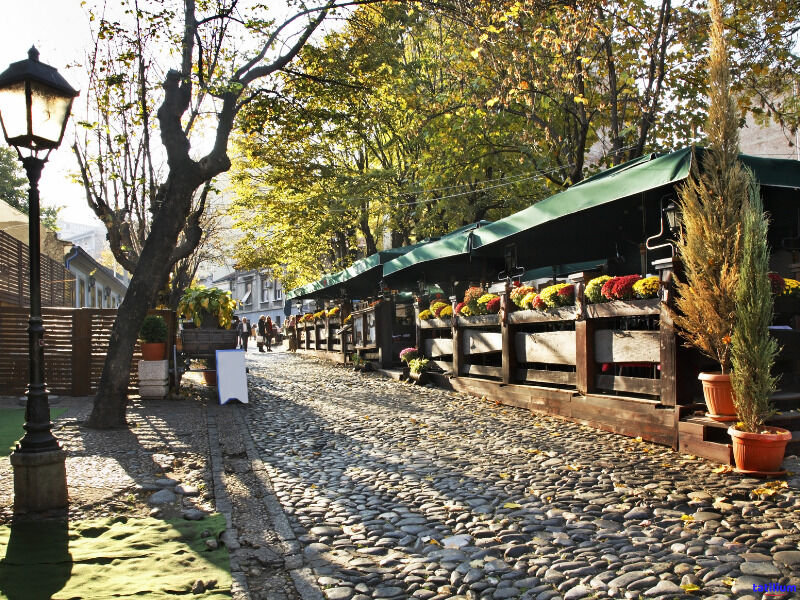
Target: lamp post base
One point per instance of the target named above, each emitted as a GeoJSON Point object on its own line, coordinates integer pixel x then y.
{"type": "Point", "coordinates": [40, 480]}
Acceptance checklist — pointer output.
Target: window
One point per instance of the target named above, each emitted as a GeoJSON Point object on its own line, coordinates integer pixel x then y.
{"type": "Point", "coordinates": [81, 293]}
{"type": "Point", "coordinates": [277, 293]}
{"type": "Point", "coordinates": [264, 289]}
{"type": "Point", "coordinates": [247, 299]}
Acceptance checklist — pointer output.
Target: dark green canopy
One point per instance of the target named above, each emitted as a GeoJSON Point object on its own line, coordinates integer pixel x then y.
{"type": "Point", "coordinates": [361, 279]}
{"type": "Point", "coordinates": [424, 260]}
{"type": "Point", "coordinates": [329, 286]}
{"type": "Point", "coordinates": [633, 178]}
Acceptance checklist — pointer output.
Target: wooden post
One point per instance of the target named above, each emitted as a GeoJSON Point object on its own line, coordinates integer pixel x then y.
{"type": "Point", "coordinates": [384, 321]}
{"type": "Point", "coordinates": [458, 350]}
{"type": "Point", "coordinates": [347, 308]}
{"type": "Point", "coordinates": [509, 352]}
{"type": "Point", "coordinates": [668, 352]}
{"type": "Point", "coordinates": [81, 352]}
{"type": "Point", "coordinates": [417, 328]}
{"type": "Point", "coordinates": [585, 365]}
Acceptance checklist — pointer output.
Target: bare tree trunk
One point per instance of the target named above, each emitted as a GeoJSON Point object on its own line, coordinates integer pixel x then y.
{"type": "Point", "coordinates": [151, 273]}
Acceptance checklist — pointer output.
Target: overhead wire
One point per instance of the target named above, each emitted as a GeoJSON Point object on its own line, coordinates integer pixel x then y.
{"type": "Point", "coordinates": [506, 181]}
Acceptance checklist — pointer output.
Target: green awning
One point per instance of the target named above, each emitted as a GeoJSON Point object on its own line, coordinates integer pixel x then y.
{"type": "Point", "coordinates": [455, 243]}
{"type": "Point", "coordinates": [563, 270]}
{"type": "Point", "coordinates": [328, 285]}
{"type": "Point", "coordinates": [629, 179]}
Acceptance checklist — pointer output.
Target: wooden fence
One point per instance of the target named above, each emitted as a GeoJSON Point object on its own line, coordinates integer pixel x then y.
{"type": "Point", "coordinates": [57, 282]}
{"type": "Point", "coordinates": [75, 347]}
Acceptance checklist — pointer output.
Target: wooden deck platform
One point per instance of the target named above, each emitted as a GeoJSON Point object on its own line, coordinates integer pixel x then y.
{"type": "Point", "coordinates": [618, 414]}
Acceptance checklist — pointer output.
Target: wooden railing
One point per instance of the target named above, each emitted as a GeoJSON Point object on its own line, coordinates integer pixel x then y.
{"type": "Point", "coordinates": [623, 347]}
{"type": "Point", "coordinates": [75, 346]}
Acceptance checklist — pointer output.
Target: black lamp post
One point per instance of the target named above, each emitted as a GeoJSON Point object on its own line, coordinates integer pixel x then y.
{"type": "Point", "coordinates": [35, 103]}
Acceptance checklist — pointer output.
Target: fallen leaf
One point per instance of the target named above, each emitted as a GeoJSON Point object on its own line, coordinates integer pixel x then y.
{"type": "Point", "coordinates": [504, 475]}
{"type": "Point", "coordinates": [366, 417]}
{"type": "Point", "coordinates": [690, 587]}
{"type": "Point", "coordinates": [722, 469]}
{"type": "Point", "coordinates": [637, 439]}
{"type": "Point", "coordinates": [574, 467]}
{"type": "Point", "coordinates": [687, 518]}
{"type": "Point", "coordinates": [512, 505]}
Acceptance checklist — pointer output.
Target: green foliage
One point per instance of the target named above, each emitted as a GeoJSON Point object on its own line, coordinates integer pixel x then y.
{"type": "Point", "coordinates": [13, 182]}
{"type": "Point", "coordinates": [594, 288]}
{"type": "Point", "coordinates": [419, 365]}
{"type": "Point", "coordinates": [153, 329]}
{"type": "Point", "coordinates": [199, 302]}
{"type": "Point", "coordinates": [14, 189]}
{"type": "Point", "coordinates": [753, 349]}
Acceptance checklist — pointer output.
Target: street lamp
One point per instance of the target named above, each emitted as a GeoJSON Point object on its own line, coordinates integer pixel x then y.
{"type": "Point", "coordinates": [35, 102]}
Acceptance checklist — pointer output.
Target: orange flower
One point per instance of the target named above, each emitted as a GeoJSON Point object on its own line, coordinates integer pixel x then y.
{"type": "Point", "coordinates": [726, 340]}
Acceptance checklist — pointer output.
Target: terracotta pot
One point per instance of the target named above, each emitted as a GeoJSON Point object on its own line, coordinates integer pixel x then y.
{"type": "Point", "coordinates": [760, 453]}
{"type": "Point", "coordinates": [210, 377]}
{"type": "Point", "coordinates": [153, 350]}
{"type": "Point", "coordinates": [718, 393]}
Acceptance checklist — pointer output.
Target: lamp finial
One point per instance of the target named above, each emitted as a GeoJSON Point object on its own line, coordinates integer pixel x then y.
{"type": "Point", "coordinates": [33, 54]}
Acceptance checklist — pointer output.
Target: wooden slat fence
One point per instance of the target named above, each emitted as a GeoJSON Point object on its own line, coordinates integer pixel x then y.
{"type": "Point", "coordinates": [57, 282]}
{"type": "Point", "coordinates": [76, 342]}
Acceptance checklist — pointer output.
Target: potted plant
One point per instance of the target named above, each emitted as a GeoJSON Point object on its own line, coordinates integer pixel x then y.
{"type": "Point", "coordinates": [418, 369]}
{"type": "Point", "coordinates": [211, 310]}
{"type": "Point", "coordinates": [709, 243]}
{"type": "Point", "coordinates": [756, 449]}
{"type": "Point", "coordinates": [153, 337]}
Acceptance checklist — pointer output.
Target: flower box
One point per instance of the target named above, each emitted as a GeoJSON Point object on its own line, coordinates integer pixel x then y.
{"type": "Point", "coordinates": [624, 308]}
{"type": "Point", "coordinates": [204, 343]}
{"type": "Point", "coordinates": [479, 321]}
{"type": "Point", "coordinates": [564, 313]}
{"type": "Point", "coordinates": [435, 323]}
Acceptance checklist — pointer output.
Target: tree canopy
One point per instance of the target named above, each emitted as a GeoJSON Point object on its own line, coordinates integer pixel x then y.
{"type": "Point", "coordinates": [411, 120]}
{"type": "Point", "coordinates": [14, 189]}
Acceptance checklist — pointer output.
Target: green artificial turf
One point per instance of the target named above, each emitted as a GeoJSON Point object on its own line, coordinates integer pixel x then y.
{"type": "Point", "coordinates": [11, 420]}
{"type": "Point", "coordinates": [112, 558]}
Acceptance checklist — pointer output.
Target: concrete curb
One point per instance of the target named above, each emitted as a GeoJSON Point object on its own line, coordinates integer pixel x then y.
{"type": "Point", "coordinates": [302, 576]}
{"type": "Point", "coordinates": [222, 501]}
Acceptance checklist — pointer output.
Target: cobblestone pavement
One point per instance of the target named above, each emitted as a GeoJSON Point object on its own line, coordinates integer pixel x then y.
{"type": "Point", "coordinates": [398, 491]}
{"type": "Point", "coordinates": [115, 472]}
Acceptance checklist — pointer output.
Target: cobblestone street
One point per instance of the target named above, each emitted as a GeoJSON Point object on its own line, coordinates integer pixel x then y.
{"type": "Point", "coordinates": [400, 491]}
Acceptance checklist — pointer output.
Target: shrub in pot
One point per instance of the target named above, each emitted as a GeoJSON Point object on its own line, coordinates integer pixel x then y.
{"type": "Point", "coordinates": [709, 244]}
{"type": "Point", "coordinates": [153, 337]}
{"type": "Point", "coordinates": [756, 448]}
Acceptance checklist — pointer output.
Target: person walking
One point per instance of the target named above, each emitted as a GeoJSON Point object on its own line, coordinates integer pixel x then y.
{"type": "Point", "coordinates": [237, 327]}
{"type": "Point", "coordinates": [268, 335]}
{"type": "Point", "coordinates": [261, 336]}
{"type": "Point", "coordinates": [244, 332]}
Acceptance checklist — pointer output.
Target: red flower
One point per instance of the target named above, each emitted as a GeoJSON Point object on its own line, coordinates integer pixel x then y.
{"type": "Point", "coordinates": [566, 295]}
{"type": "Point", "coordinates": [538, 303]}
{"type": "Point", "coordinates": [619, 288]}
{"type": "Point", "coordinates": [777, 283]}
{"type": "Point", "coordinates": [493, 306]}
{"type": "Point", "coordinates": [516, 283]}
{"type": "Point", "coordinates": [459, 306]}
{"type": "Point", "coordinates": [440, 309]}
